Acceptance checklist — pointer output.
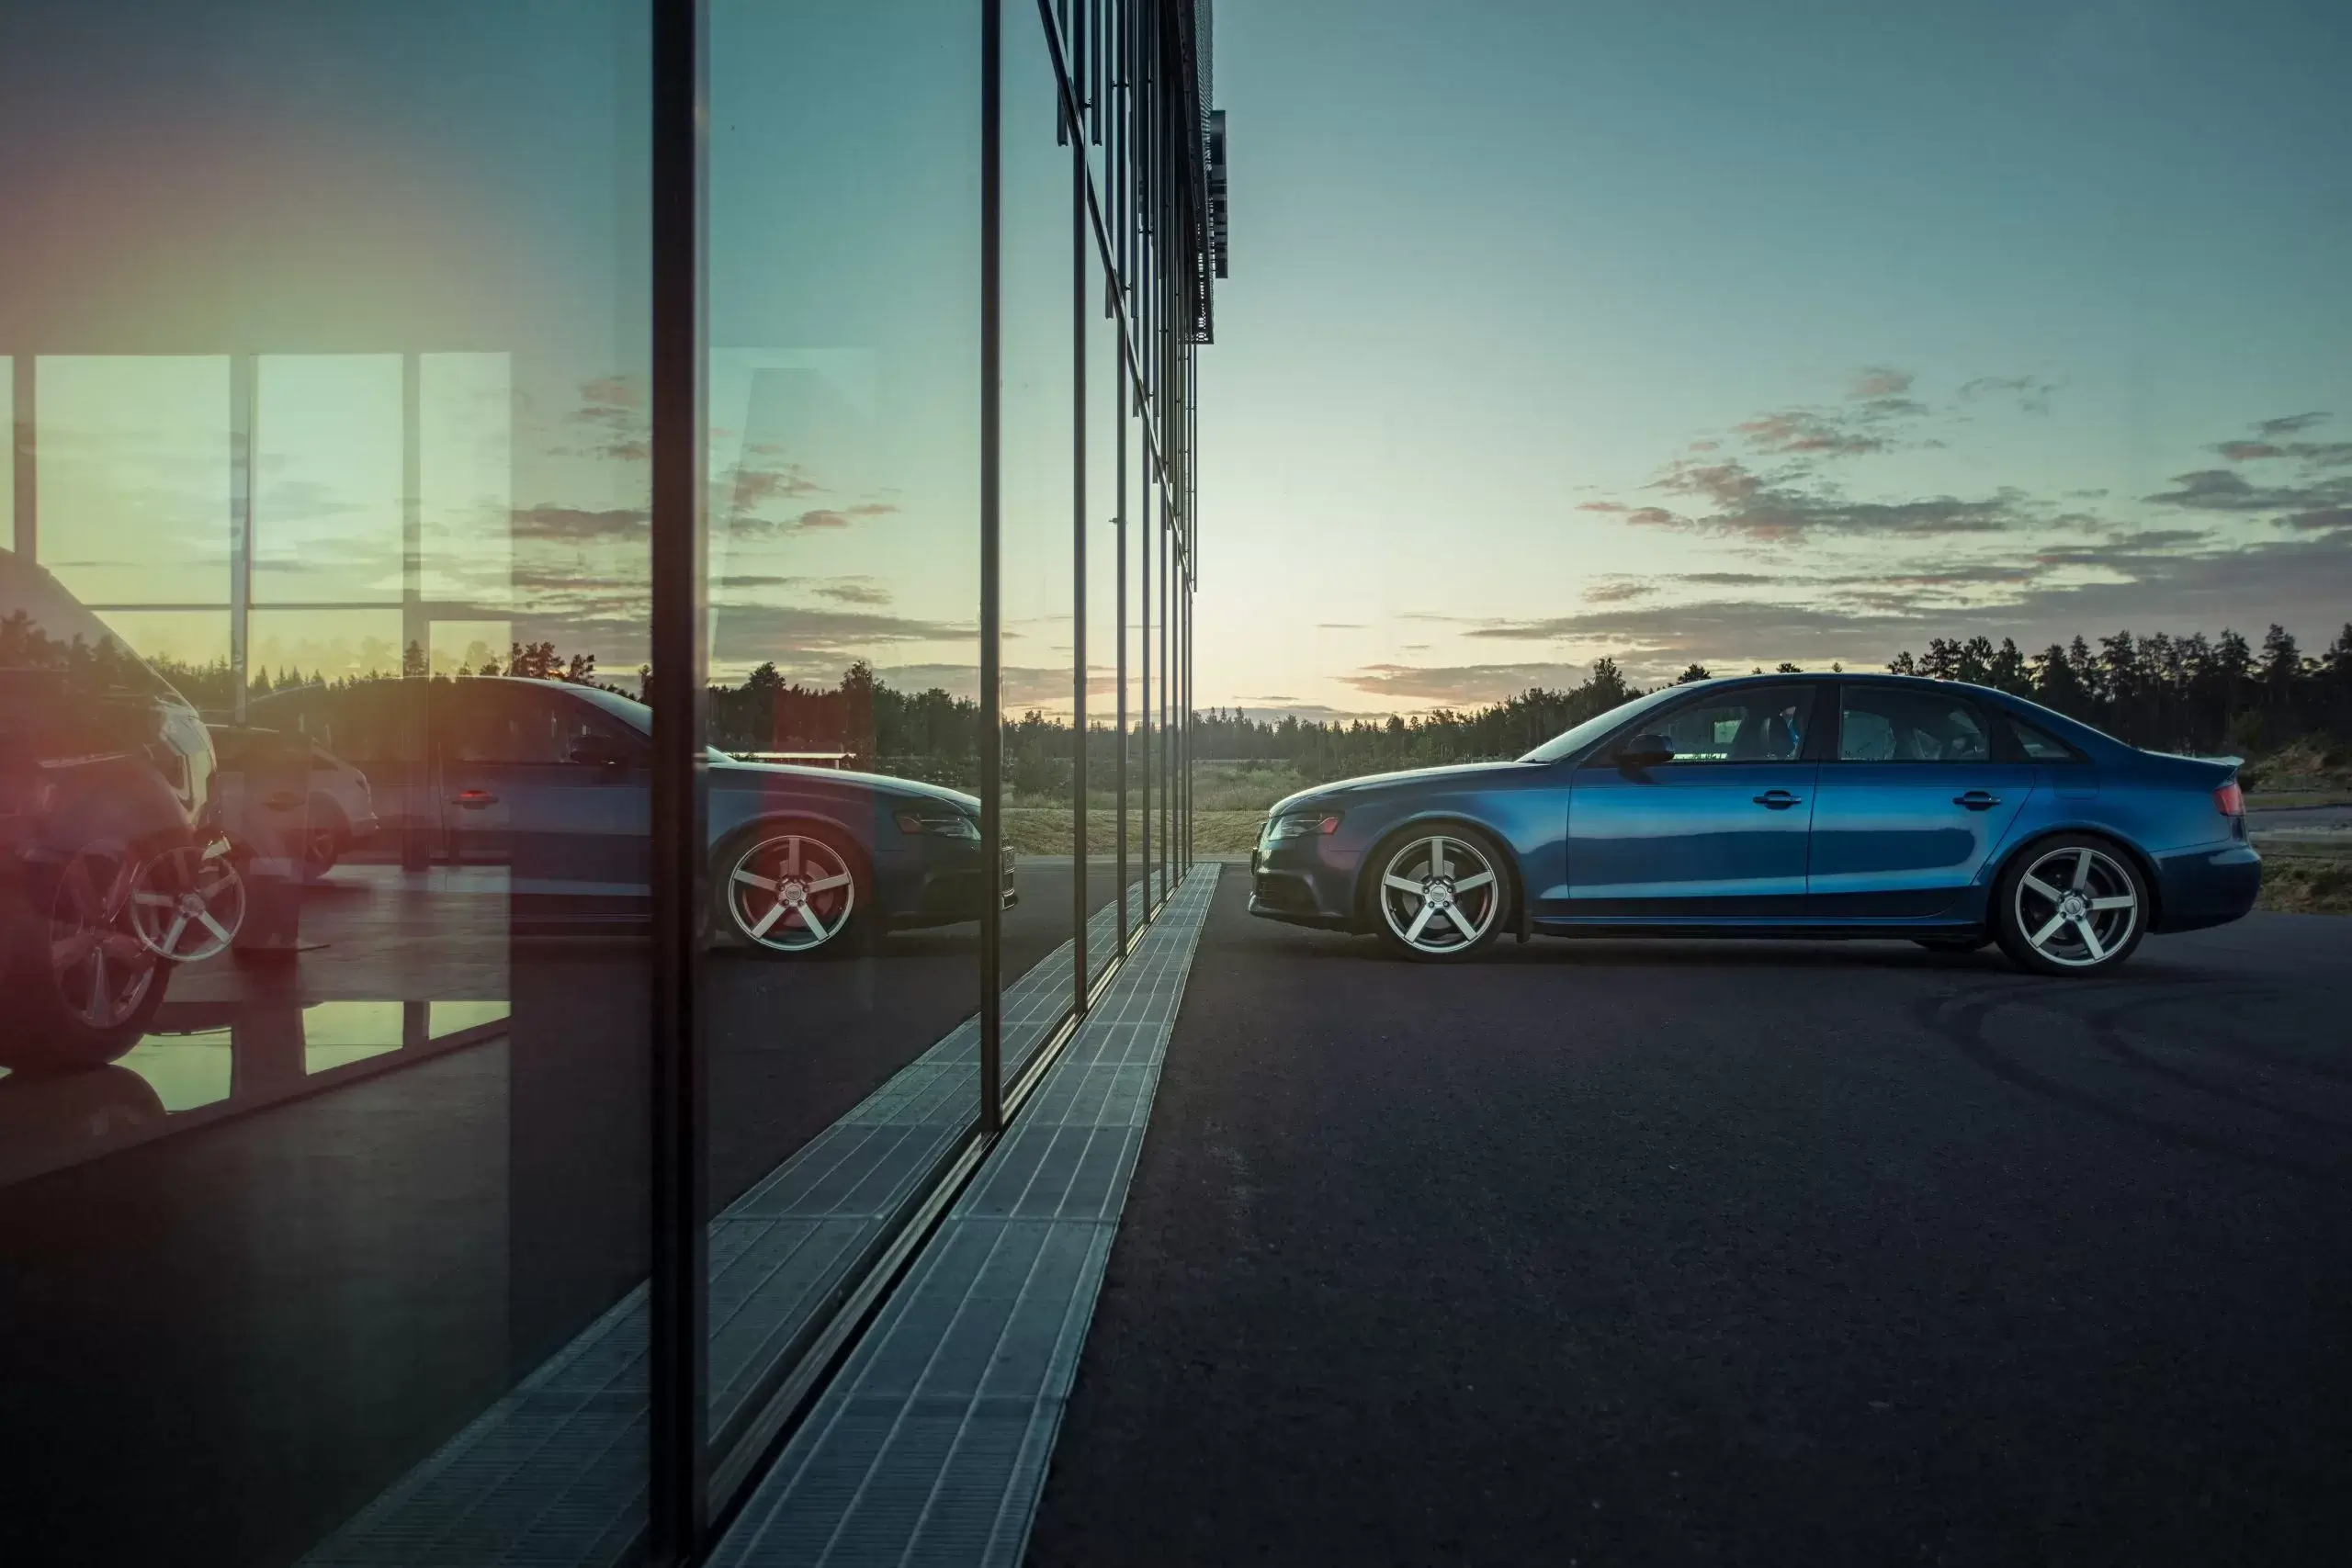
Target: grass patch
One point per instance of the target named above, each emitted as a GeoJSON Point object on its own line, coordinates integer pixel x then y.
{"type": "Point", "coordinates": [1243, 787]}
{"type": "Point", "coordinates": [2306, 885]}
{"type": "Point", "coordinates": [1047, 830]}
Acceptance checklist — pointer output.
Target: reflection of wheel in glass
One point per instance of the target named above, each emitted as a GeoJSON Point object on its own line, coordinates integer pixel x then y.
{"type": "Point", "coordinates": [2072, 905]}
{"type": "Point", "coordinates": [186, 904]}
{"type": "Point", "coordinates": [323, 838]}
{"type": "Point", "coordinates": [790, 888]}
{"type": "Point", "coordinates": [81, 983]}
{"type": "Point", "coordinates": [1441, 894]}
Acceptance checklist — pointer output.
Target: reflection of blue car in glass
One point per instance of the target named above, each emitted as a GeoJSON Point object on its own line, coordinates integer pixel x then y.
{"type": "Point", "coordinates": [551, 779]}
{"type": "Point", "coordinates": [1782, 806]}
{"type": "Point", "coordinates": [112, 871]}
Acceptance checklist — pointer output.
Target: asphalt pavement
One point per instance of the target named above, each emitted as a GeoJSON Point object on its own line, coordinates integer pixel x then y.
{"type": "Point", "coordinates": [1618, 1252]}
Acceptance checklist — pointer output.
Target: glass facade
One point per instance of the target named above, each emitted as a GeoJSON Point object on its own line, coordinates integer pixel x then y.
{"type": "Point", "coordinates": [592, 628]}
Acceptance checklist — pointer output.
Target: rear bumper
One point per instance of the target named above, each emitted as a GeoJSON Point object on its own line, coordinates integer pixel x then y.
{"type": "Point", "coordinates": [2206, 888]}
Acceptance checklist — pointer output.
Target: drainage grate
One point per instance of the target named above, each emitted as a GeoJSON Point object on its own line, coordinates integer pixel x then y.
{"type": "Point", "coordinates": [930, 1445]}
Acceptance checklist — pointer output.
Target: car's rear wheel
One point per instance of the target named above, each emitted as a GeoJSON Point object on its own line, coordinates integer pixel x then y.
{"type": "Point", "coordinates": [323, 837]}
{"type": "Point", "coordinates": [791, 890]}
{"type": "Point", "coordinates": [2072, 905]}
{"type": "Point", "coordinates": [1442, 894]}
{"type": "Point", "coordinates": [82, 984]}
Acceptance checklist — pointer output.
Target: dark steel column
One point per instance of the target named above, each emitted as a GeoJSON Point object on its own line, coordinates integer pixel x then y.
{"type": "Point", "coordinates": [1080, 238]}
{"type": "Point", "coordinates": [679, 1515]}
{"type": "Point", "coordinates": [1119, 527]}
{"type": "Point", "coordinates": [991, 608]}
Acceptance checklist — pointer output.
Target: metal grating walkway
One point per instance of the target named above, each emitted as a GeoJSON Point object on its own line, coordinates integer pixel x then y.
{"type": "Point", "coordinates": [930, 1445]}
{"type": "Point", "coordinates": [555, 1471]}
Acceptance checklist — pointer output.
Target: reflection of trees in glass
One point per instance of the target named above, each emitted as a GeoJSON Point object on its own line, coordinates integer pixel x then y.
{"type": "Point", "coordinates": [103, 667]}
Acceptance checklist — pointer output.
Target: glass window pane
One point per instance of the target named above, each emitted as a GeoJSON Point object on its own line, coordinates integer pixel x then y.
{"type": "Point", "coordinates": [134, 476]}
{"type": "Point", "coordinates": [1753, 725]}
{"type": "Point", "coordinates": [1102, 610]}
{"type": "Point", "coordinates": [327, 440]}
{"type": "Point", "coordinates": [373, 1143]}
{"type": "Point", "coordinates": [1039, 414]}
{"type": "Point", "coordinates": [843, 550]}
{"type": "Point", "coordinates": [1896, 723]}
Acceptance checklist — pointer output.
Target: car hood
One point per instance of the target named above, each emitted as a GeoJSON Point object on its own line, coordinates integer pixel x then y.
{"type": "Point", "coordinates": [750, 773]}
{"type": "Point", "coordinates": [1404, 778]}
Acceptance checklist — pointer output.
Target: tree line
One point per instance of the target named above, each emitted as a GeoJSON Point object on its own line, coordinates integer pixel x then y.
{"type": "Point", "coordinates": [2187, 693]}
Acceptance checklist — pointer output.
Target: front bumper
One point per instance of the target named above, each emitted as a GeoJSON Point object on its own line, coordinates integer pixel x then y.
{"type": "Point", "coordinates": [2206, 888]}
{"type": "Point", "coordinates": [1301, 883]}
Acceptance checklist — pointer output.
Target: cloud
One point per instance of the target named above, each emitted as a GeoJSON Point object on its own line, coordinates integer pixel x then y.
{"type": "Point", "coordinates": [1793, 505]}
{"type": "Point", "coordinates": [755, 485]}
{"type": "Point", "coordinates": [1798, 431]}
{"type": "Point", "coordinates": [1463, 684]}
{"type": "Point", "coordinates": [2220, 490]}
{"type": "Point", "coordinates": [2290, 424]}
{"type": "Point", "coordinates": [1339, 625]}
{"type": "Point", "coordinates": [2312, 454]}
{"type": "Point", "coordinates": [854, 591]}
{"type": "Point", "coordinates": [1618, 590]}
{"type": "Point", "coordinates": [612, 408]}
{"type": "Point", "coordinates": [573, 525]}
{"type": "Point", "coordinates": [2032, 393]}
{"type": "Point", "coordinates": [815, 519]}
{"type": "Point", "coordinates": [1880, 381]}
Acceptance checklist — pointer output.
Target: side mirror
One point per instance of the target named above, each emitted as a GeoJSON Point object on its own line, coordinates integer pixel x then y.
{"type": "Point", "coordinates": [1646, 752]}
{"type": "Point", "coordinates": [601, 751]}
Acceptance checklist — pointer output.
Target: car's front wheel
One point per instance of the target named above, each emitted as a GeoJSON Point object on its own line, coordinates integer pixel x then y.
{"type": "Point", "coordinates": [82, 984]}
{"type": "Point", "coordinates": [1442, 894]}
{"type": "Point", "coordinates": [2073, 905]}
{"type": "Point", "coordinates": [791, 890]}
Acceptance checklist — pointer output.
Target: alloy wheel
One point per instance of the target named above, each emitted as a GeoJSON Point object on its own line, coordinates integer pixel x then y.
{"type": "Point", "coordinates": [1440, 895]}
{"type": "Point", "coordinates": [791, 894]}
{"type": "Point", "coordinates": [100, 968]}
{"type": "Point", "coordinates": [2076, 906]}
{"type": "Point", "coordinates": [187, 905]}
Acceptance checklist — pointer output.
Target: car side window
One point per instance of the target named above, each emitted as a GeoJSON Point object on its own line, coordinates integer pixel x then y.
{"type": "Point", "coordinates": [2040, 744]}
{"type": "Point", "coordinates": [1898, 724]}
{"type": "Point", "coordinates": [525, 725]}
{"type": "Point", "coordinates": [1765, 724]}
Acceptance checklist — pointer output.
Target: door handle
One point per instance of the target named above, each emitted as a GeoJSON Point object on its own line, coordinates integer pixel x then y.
{"type": "Point", "coordinates": [473, 799]}
{"type": "Point", "coordinates": [1777, 799]}
{"type": "Point", "coordinates": [1977, 800]}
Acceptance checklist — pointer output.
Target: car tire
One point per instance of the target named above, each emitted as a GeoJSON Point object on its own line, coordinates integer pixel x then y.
{"type": "Point", "coordinates": [764, 900]}
{"type": "Point", "coordinates": [2073, 905]}
{"type": "Point", "coordinates": [1461, 903]}
{"type": "Point", "coordinates": [58, 1023]}
{"type": "Point", "coordinates": [326, 837]}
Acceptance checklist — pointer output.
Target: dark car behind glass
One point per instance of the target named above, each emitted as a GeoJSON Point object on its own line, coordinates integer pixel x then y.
{"type": "Point", "coordinates": [551, 779]}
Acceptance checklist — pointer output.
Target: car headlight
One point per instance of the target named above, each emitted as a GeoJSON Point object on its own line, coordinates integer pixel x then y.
{"type": "Point", "coordinates": [939, 822]}
{"type": "Point", "coordinates": [1300, 824]}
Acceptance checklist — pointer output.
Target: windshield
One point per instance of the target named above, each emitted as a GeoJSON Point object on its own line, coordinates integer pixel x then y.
{"type": "Point", "coordinates": [1569, 741]}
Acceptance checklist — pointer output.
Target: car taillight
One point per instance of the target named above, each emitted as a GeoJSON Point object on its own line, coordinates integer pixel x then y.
{"type": "Point", "coordinates": [2230, 800]}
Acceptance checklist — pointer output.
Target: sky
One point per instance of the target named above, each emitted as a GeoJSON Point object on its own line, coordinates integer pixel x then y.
{"type": "Point", "coordinates": [1731, 333]}
{"type": "Point", "coordinates": [1738, 333]}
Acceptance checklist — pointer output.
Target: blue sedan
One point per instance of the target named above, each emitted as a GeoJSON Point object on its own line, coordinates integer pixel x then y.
{"type": "Point", "coordinates": [1780, 806]}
